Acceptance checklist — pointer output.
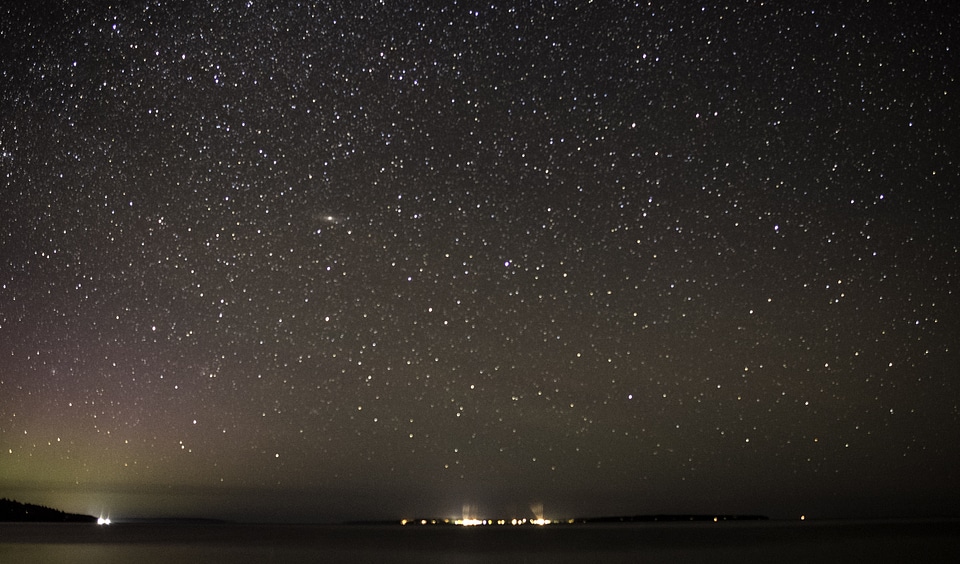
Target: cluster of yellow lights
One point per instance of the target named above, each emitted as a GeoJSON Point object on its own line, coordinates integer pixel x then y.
{"type": "Point", "coordinates": [482, 522]}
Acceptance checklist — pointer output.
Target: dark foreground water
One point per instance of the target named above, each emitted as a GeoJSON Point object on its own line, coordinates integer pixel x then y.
{"type": "Point", "coordinates": [781, 542]}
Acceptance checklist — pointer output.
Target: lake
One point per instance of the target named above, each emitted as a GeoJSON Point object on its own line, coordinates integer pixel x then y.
{"type": "Point", "coordinates": [767, 541]}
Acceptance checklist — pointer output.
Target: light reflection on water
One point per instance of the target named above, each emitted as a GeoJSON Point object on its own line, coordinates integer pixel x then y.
{"type": "Point", "coordinates": [715, 543]}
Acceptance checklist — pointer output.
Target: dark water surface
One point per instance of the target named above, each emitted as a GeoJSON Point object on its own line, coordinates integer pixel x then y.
{"type": "Point", "coordinates": [887, 541]}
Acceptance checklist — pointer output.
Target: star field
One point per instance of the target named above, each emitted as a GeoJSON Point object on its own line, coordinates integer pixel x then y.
{"type": "Point", "coordinates": [392, 258]}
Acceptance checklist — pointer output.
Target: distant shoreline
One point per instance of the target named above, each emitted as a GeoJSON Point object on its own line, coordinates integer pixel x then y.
{"type": "Point", "coordinates": [653, 518]}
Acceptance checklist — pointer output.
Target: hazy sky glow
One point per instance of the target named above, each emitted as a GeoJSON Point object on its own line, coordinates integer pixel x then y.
{"type": "Point", "coordinates": [288, 261]}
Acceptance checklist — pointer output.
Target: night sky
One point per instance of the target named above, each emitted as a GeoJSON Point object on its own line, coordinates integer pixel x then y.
{"type": "Point", "coordinates": [320, 261]}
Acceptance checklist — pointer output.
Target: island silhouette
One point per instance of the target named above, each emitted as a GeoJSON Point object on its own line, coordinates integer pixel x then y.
{"type": "Point", "coordinates": [14, 511]}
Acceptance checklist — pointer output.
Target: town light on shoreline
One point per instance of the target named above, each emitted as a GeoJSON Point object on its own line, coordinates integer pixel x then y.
{"type": "Point", "coordinates": [470, 522]}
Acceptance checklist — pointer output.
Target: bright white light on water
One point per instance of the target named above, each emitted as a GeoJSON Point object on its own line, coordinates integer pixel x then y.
{"type": "Point", "coordinates": [103, 520]}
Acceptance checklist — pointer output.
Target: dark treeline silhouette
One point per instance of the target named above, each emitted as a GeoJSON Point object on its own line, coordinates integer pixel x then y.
{"type": "Point", "coordinates": [14, 511]}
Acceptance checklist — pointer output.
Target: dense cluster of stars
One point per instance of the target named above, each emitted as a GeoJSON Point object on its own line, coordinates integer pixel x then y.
{"type": "Point", "coordinates": [608, 256]}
